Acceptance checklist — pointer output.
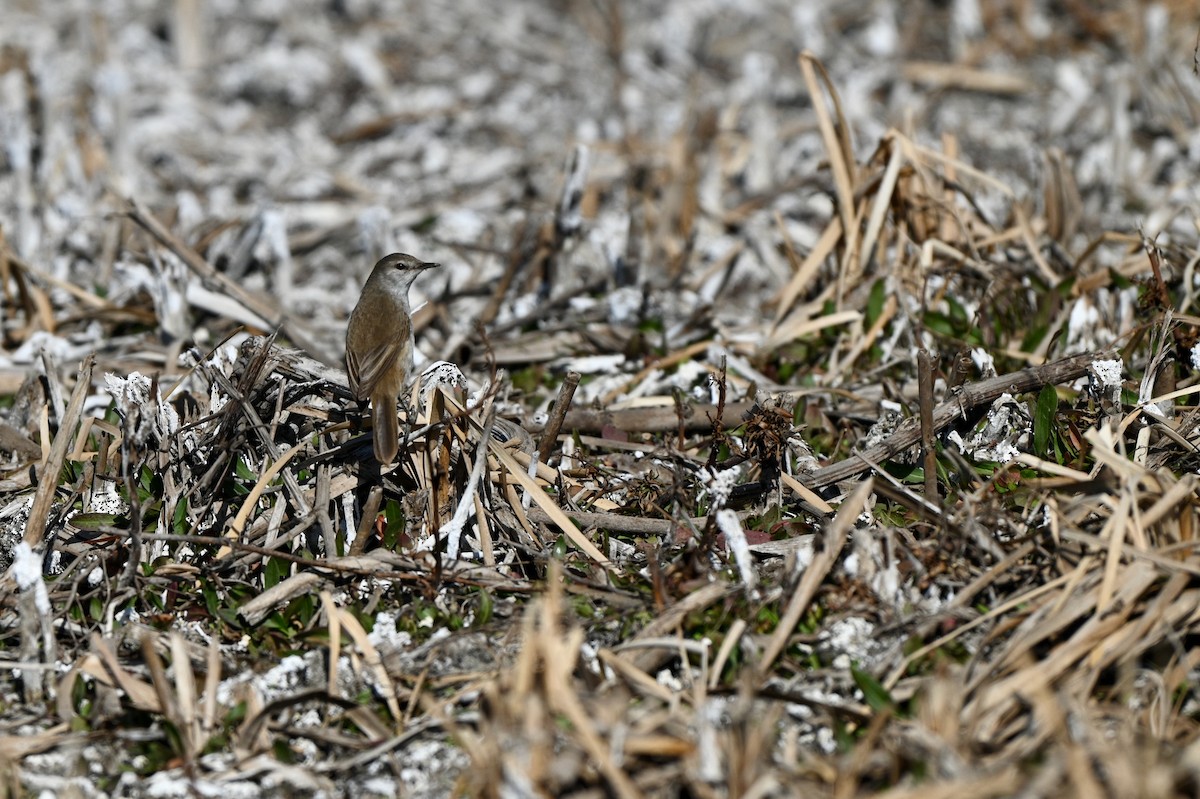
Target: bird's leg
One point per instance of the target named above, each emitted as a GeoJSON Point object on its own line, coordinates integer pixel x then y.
{"type": "Point", "coordinates": [358, 421]}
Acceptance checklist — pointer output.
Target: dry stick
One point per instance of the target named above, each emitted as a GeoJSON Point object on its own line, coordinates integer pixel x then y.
{"type": "Point", "coordinates": [262, 605]}
{"type": "Point", "coordinates": [35, 530]}
{"type": "Point", "coordinates": [993, 698]}
{"type": "Point", "coordinates": [664, 418]}
{"type": "Point", "coordinates": [54, 388]}
{"type": "Point", "coordinates": [544, 501]}
{"type": "Point", "coordinates": [718, 430]}
{"type": "Point", "coordinates": [970, 396]}
{"type": "Point", "coordinates": [139, 693]}
{"type": "Point", "coordinates": [16, 442]}
{"type": "Point", "coordinates": [925, 390]}
{"type": "Point", "coordinates": [274, 547]}
{"type": "Point", "coordinates": [543, 308]}
{"type": "Point", "coordinates": [809, 319]}
{"type": "Point", "coordinates": [559, 649]}
{"type": "Point", "coordinates": [842, 165]}
{"type": "Point", "coordinates": [681, 417]}
{"type": "Point", "coordinates": [962, 601]}
{"type": "Point", "coordinates": [234, 531]}
{"type": "Point", "coordinates": [81, 294]}
{"type": "Point", "coordinates": [212, 678]}
{"type": "Point", "coordinates": [883, 201]}
{"type": "Point", "coordinates": [452, 529]}
{"type": "Point", "coordinates": [658, 419]}
{"type": "Point", "coordinates": [333, 619]}
{"type": "Point", "coordinates": [566, 393]}
{"type": "Point", "coordinates": [937, 76]}
{"type": "Point", "coordinates": [272, 315]}
{"type": "Point", "coordinates": [366, 566]}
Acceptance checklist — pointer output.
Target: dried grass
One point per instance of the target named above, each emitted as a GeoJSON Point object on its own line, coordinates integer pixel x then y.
{"type": "Point", "coordinates": [241, 593]}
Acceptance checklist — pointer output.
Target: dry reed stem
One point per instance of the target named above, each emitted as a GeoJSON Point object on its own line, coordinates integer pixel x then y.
{"type": "Point", "coordinates": [40, 512]}
{"type": "Point", "coordinates": [1065, 652]}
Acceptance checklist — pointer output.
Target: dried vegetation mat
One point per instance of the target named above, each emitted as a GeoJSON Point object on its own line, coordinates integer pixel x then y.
{"type": "Point", "coordinates": [918, 537]}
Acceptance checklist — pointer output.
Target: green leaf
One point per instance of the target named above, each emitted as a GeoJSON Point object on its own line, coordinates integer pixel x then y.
{"type": "Point", "coordinates": [486, 606]}
{"type": "Point", "coordinates": [306, 608]}
{"type": "Point", "coordinates": [875, 302]}
{"type": "Point", "coordinates": [1043, 420]}
{"type": "Point", "coordinates": [92, 522]}
{"type": "Point", "coordinates": [275, 572]}
{"type": "Point", "coordinates": [243, 471]}
{"type": "Point", "coordinates": [179, 522]}
{"type": "Point", "coordinates": [394, 524]}
{"type": "Point", "coordinates": [873, 691]}
{"type": "Point", "coordinates": [211, 602]}
{"type": "Point", "coordinates": [939, 323]}
{"type": "Point", "coordinates": [278, 623]}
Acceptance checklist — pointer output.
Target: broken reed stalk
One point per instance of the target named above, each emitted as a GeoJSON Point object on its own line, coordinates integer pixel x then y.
{"type": "Point", "coordinates": [928, 444]}
{"type": "Point", "coordinates": [35, 530]}
{"type": "Point", "coordinates": [566, 393]}
{"type": "Point", "coordinates": [966, 398]}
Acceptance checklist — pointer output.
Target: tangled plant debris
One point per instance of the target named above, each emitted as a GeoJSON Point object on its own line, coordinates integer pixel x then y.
{"type": "Point", "coordinates": [809, 403]}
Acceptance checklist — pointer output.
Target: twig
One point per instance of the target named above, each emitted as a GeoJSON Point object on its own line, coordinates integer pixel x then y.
{"type": "Point", "coordinates": [516, 259]}
{"type": "Point", "coordinates": [925, 391]}
{"type": "Point", "coordinates": [565, 394]}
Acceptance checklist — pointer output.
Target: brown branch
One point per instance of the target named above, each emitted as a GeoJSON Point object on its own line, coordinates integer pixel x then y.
{"type": "Point", "coordinates": [928, 436]}
{"type": "Point", "coordinates": [970, 396]}
{"type": "Point", "coordinates": [565, 394]}
{"type": "Point", "coordinates": [660, 419]}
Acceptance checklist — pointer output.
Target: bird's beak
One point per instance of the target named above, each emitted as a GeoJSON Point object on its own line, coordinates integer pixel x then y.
{"type": "Point", "coordinates": [429, 265]}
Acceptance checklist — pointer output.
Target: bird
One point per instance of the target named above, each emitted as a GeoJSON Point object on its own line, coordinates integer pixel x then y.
{"type": "Point", "coordinates": [379, 346]}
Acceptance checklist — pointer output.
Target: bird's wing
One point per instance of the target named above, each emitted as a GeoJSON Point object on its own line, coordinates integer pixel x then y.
{"type": "Point", "coordinates": [366, 370]}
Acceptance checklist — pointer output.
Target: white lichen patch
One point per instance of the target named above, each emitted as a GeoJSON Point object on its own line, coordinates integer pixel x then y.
{"type": "Point", "coordinates": [1003, 434]}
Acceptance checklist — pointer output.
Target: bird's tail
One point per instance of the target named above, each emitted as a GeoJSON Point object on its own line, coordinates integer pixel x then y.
{"type": "Point", "coordinates": [387, 430]}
